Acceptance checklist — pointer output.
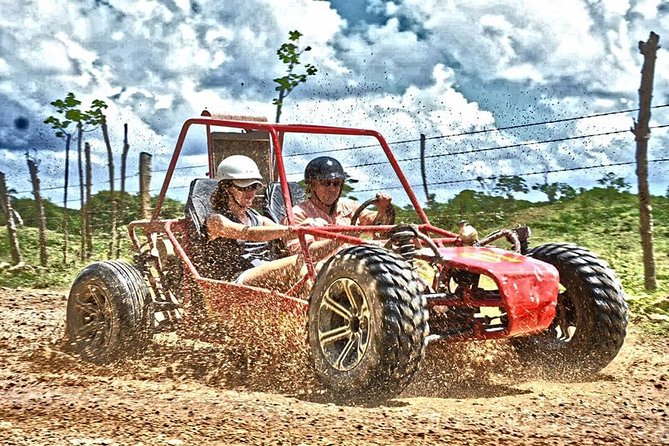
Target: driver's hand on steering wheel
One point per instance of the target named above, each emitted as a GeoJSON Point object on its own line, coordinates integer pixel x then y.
{"type": "Point", "coordinates": [382, 201]}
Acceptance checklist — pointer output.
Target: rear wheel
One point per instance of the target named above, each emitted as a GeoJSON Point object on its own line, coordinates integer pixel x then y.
{"type": "Point", "coordinates": [591, 315]}
{"type": "Point", "coordinates": [367, 324]}
{"type": "Point", "coordinates": [109, 312]}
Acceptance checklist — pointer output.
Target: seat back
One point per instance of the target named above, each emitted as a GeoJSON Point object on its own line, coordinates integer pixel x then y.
{"type": "Point", "coordinates": [198, 205]}
{"type": "Point", "coordinates": [275, 207]}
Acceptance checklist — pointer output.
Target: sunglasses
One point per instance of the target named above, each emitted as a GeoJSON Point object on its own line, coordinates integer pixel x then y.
{"type": "Point", "coordinates": [331, 183]}
{"type": "Point", "coordinates": [254, 187]}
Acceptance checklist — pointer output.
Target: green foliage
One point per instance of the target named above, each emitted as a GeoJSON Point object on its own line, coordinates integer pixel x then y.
{"type": "Point", "coordinates": [555, 191]}
{"type": "Point", "coordinates": [289, 53]}
{"type": "Point", "coordinates": [96, 115]}
{"type": "Point", "coordinates": [68, 108]}
{"type": "Point", "coordinates": [507, 185]}
{"type": "Point", "coordinates": [100, 216]}
{"type": "Point", "coordinates": [611, 181]}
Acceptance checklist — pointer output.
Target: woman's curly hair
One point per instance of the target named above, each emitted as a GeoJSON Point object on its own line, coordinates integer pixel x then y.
{"type": "Point", "coordinates": [219, 198]}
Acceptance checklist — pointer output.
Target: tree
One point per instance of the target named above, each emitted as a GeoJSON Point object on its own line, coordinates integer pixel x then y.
{"type": "Point", "coordinates": [507, 185]}
{"type": "Point", "coordinates": [67, 108]}
{"type": "Point", "coordinates": [289, 53]}
{"type": "Point", "coordinates": [613, 182]}
{"type": "Point", "coordinates": [555, 191]}
{"type": "Point", "coordinates": [98, 117]}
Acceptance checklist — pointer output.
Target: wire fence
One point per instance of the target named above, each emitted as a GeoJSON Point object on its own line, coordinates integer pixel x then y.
{"type": "Point", "coordinates": [411, 162]}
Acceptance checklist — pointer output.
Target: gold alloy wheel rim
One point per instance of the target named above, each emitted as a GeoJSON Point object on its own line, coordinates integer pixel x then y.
{"type": "Point", "coordinates": [94, 317]}
{"type": "Point", "coordinates": [344, 324]}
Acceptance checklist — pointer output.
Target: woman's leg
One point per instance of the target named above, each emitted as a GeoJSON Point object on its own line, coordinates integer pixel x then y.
{"type": "Point", "coordinates": [278, 275]}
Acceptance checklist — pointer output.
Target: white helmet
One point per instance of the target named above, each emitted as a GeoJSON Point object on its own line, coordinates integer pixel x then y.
{"type": "Point", "coordinates": [239, 168]}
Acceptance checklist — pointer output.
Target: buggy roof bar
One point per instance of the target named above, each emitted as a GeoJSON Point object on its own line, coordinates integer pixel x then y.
{"type": "Point", "coordinates": [276, 132]}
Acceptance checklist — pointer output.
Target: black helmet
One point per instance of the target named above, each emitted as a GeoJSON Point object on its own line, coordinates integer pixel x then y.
{"type": "Point", "coordinates": [324, 168]}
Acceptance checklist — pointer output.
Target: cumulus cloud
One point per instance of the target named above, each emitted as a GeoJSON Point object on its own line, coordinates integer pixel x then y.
{"type": "Point", "coordinates": [424, 66]}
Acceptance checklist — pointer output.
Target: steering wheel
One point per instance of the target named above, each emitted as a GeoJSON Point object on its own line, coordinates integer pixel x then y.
{"type": "Point", "coordinates": [385, 218]}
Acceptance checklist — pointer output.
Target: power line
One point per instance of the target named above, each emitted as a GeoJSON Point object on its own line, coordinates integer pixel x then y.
{"type": "Point", "coordinates": [488, 149]}
{"type": "Point", "coordinates": [542, 172]}
{"type": "Point", "coordinates": [474, 132]}
{"type": "Point", "coordinates": [76, 185]}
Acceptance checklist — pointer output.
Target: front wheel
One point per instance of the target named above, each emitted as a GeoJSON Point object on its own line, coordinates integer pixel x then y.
{"type": "Point", "coordinates": [109, 312]}
{"type": "Point", "coordinates": [591, 315]}
{"type": "Point", "coordinates": [367, 324]}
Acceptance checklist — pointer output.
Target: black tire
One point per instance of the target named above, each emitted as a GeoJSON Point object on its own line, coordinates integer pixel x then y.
{"type": "Point", "coordinates": [109, 312]}
{"type": "Point", "coordinates": [591, 311]}
{"type": "Point", "coordinates": [373, 353]}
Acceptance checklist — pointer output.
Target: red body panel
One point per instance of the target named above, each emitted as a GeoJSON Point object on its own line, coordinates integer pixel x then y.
{"type": "Point", "coordinates": [528, 287]}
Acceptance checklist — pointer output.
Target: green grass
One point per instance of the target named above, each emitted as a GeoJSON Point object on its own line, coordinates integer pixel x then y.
{"type": "Point", "coordinates": [55, 274]}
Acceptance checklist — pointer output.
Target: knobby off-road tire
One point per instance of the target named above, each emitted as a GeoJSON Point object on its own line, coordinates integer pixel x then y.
{"type": "Point", "coordinates": [109, 312]}
{"type": "Point", "coordinates": [591, 315]}
{"type": "Point", "coordinates": [367, 325]}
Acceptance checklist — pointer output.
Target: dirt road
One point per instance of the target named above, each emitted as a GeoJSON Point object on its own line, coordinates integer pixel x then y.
{"type": "Point", "coordinates": [183, 393]}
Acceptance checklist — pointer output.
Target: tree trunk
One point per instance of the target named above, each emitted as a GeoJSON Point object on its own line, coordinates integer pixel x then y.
{"type": "Point", "coordinates": [112, 196]}
{"type": "Point", "coordinates": [89, 223]}
{"type": "Point", "coordinates": [642, 134]}
{"type": "Point", "coordinates": [11, 228]}
{"type": "Point", "coordinates": [82, 208]}
{"type": "Point", "coordinates": [279, 105]}
{"type": "Point", "coordinates": [32, 168]}
{"type": "Point", "coordinates": [124, 157]}
{"type": "Point", "coordinates": [66, 224]}
{"type": "Point", "coordinates": [144, 184]}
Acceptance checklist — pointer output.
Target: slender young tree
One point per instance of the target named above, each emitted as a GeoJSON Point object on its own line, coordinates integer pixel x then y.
{"type": "Point", "coordinates": [68, 108]}
{"type": "Point", "coordinates": [289, 53]}
{"type": "Point", "coordinates": [98, 117]}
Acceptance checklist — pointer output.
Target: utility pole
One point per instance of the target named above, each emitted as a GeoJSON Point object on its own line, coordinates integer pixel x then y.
{"type": "Point", "coordinates": [11, 227]}
{"type": "Point", "coordinates": [641, 132]}
{"type": "Point", "coordinates": [144, 182]}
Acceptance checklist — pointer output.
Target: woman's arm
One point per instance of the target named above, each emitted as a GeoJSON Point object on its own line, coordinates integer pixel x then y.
{"type": "Point", "coordinates": [220, 226]}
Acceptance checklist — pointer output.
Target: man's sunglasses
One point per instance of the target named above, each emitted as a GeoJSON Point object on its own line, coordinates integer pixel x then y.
{"type": "Point", "coordinates": [254, 187]}
{"type": "Point", "coordinates": [331, 183]}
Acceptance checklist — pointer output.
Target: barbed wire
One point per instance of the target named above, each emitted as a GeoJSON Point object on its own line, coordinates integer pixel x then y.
{"type": "Point", "coordinates": [107, 181]}
{"type": "Point", "coordinates": [474, 132]}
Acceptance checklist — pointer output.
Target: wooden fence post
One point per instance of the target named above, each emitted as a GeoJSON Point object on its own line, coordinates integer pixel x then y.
{"type": "Point", "coordinates": [641, 135]}
{"type": "Point", "coordinates": [144, 184]}
{"type": "Point", "coordinates": [34, 177]}
{"type": "Point", "coordinates": [11, 228]}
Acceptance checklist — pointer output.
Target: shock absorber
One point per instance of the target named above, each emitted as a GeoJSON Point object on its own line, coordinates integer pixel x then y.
{"type": "Point", "coordinates": [402, 241]}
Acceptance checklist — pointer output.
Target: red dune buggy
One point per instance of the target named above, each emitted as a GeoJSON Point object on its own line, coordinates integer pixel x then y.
{"type": "Point", "coordinates": [373, 307]}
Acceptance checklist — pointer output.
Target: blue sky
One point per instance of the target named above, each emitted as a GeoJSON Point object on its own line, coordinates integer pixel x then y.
{"type": "Point", "coordinates": [404, 68]}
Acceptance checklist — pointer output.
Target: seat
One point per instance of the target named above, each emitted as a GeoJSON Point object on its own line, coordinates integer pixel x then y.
{"type": "Point", "coordinates": [275, 207]}
{"type": "Point", "coordinates": [198, 208]}
{"type": "Point", "coordinates": [198, 205]}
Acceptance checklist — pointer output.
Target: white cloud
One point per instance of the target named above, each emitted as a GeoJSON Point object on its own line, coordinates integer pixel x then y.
{"type": "Point", "coordinates": [157, 63]}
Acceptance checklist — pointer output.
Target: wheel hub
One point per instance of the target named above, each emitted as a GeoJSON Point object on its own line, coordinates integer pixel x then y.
{"type": "Point", "coordinates": [344, 324]}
